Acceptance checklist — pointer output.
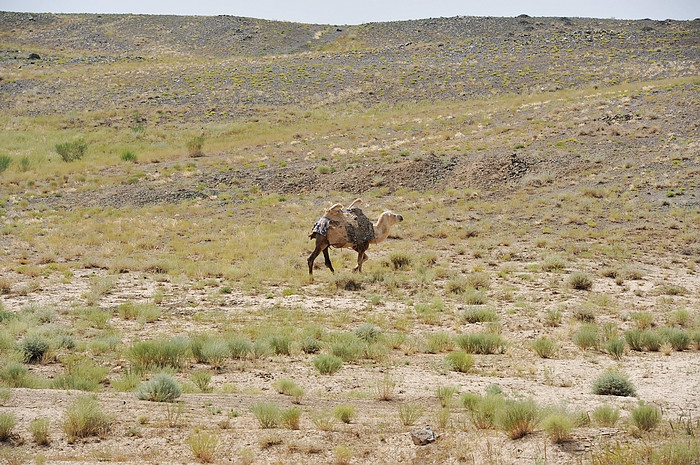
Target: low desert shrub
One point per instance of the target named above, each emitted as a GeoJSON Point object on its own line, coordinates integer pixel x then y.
{"type": "Point", "coordinates": [483, 413]}
{"type": "Point", "coordinates": [85, 418]}
{"type": "Point", "coordinates": [239, 347]}
{"type": "Point", "coordinates": [70, 151]}
{"type": "Point", "coordinates": [642, 320]}
{"type": "Point", "coordinates": [586, 336]}
{"type": "Point", "coordinates": [479, 315]}
{"type": "Point", "coordinates": [290, 418]}
{"type": "Point", "coordinates": [446, 394]}
{"type": "Point", "coordinates": [141, 312]}
{"type": "Point", "coordinates": [606, 416]}
{"type": "Point", "coordinates": [82, 374]}
{"type": "Point", "coordinates": [203, 445]}
{"type": "Point", "coordinates": [645, 417]}
{"type": "Point", "coordinates": [215, 352]}
{"type": "Point", "coordinates": [202, 379]}
{"type": "Point", "coordinates": [16, 375]}
{"type": "Point", "coordinates": [161, 388]}
{"type": "Point", "coordinates": [7, 426]}
{"type": "Point", "coordinates": [585, 314]}
{"type": "Point", "coordinates": [673, 451]}
{"type": "Point", "coordinates": [475, 297]}
{"type": "Point", "coordinates": [342, 455]}
{"type": "Point", "coordinates": [481, 343]}
{"type": "Point", "coordinates": [478, 280]}
{"type": "Point", "coordinates": [368, 332]}
{"type": "Point", "coordinates": [409, 414]}
{"type": "Point", "coordinates": [33, 348]}
{"type": "Point", "coordinates": [553, 317]}
{"type": "Point", "coordinates": [39, 429]}
{"type": "Point", "coordinates": [678, 338]}
{"type": "Point", "coordinates": [518, 418]}
{"type": "Point", "coordinates": [310, 345]}
{"type": "Point", "coordinates": [281, 344]}
{"type": "Point", "coordinates": [194, 146]}
{"type": "Point", "coordinates": [651, 340]}
{"type": "Point", "coordinates": [400, 261]}
{"type": "Point", "coordinates": [127, 382]}
{"type": "Point", "coordinates": [328, 364]}
{"type": "Point", "coordinates": [616, 348]}
{"type": "Point", "coordinates": [558, 427]}
{"type": "Point", "coordinates": [611, 383]}
{"type": "Point", "coordinates": [345, 412]}
{"type": "Point", "coordinates": [457, 286]}
{"type": "Point", "coordinates": [384, 387]}
{"type": "Point", "coordinates": [580, 281]}
{"type": "Point", "coordinates": [438, 342]}
{"type": "Point", "coordinates": [323, 420]}
{"type": "Point", "coordinates": [635, 340]}
{"type": "Point", "coordinates": [468, 400]}
{"type": "Point", "coordinates": [553, 263]}
{"type": "Point", "coordinates": [5, 161]}
{"type": "Point", "coordinates": [5, 395]}
{"type": "Point", "coordinates": [544, 347]}
{"type": "Point", "coordinates": [680, 317]}
{"type": "Point", "coordinates": [128, 156]}
{"type": "Point", "coordinates": [459, 361]}
{"type": "Point", "coordinates": [348, 347]}
{"type": "Point", "coordinates": [347, 282]}
{"type": "Point", "coordinates": [268, 414]}
{"type": "Point", "coordinates": [159, 353]}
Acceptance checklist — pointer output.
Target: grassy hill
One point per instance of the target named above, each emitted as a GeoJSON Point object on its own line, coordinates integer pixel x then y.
{"type": "Point", "coordinates": [159, 176]}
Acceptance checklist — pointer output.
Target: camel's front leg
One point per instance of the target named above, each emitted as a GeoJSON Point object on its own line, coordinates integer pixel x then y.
{"type": "Point", "coordinates": [321, 246]}
{"type": "Point", "coordinates": [361, 256]}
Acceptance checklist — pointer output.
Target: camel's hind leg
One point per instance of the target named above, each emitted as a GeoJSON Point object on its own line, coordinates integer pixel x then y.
{"type": "Point", "coordinates": [327, 260]}
{"type": "Point", "coordinates": [321, 246]}
{"type": "Point", "coordinates": [361, 255]}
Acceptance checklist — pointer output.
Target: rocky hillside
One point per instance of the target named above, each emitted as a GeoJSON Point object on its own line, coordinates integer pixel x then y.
{"type": "Point", "coordinates": [218, 68]}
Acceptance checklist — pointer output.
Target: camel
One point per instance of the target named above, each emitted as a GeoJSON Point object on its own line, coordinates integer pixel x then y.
{"type": "Point", "coordinates": [349, 228]}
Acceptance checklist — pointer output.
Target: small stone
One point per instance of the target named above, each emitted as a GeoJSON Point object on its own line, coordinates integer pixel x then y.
{"type": "Point", "coordinates": [423, 436]}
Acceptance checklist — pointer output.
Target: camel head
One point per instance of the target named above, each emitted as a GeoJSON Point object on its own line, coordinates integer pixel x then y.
{"type": "Point", "coordinates": [389, 219]}
{"type": "Point", "coordinates": [383, 225]}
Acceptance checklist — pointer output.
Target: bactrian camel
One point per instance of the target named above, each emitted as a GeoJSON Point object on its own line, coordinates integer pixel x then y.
{"type": "Point", "coordinates": [349, 228]}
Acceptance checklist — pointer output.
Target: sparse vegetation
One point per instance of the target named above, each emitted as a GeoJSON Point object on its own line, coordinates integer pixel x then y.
{"type": "Point", "coordinates": [558, 427]}
{"type": "Point", "coordinates": [328, 364]}
{"type": "Point", "coordinates": [581, 281]}
{"type": "Point", "coordinates": [645, 417]}
{"type": "Point", "coordinates": [85, 418]}
{"type": "Point", "coordinates": [345, 412]}
{"type": "Point", "coordinates": [519, 418]}
{"type": "Point", "coordinates": [39, 428]}
{"type": "Point", "coordinates": [161, 388]}
{"type": "Point", "coordinates": [73, 150]}
{"type": "Point", "coordinates": [549, 192]}
{"type": "Point", "coordinates": [613, 384]}
{"type": "Point", "coordinates": [606, 416]}
{"type": "Point", "coordinates": [544, 347]}
{"type": "Point", "coordinates": [7, 426]}
{"type": "Point", "coordinates": [268, 414]}
{"type": "Point", "coordinates": [203, 445]}
{"type": "Point", "coordinates": [409, 414]}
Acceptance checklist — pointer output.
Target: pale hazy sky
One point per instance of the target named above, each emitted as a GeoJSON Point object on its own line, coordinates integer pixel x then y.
{"type": "Point", "coordinates": [364, 11]}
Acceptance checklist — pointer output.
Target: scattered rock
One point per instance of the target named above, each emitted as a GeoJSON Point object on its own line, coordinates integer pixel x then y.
{"type": "Point", "coordinates": [423, 436]}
